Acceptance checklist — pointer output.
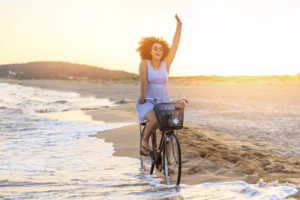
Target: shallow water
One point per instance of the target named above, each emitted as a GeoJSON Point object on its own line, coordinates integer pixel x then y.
{"type": "Point", "coordinates": [42, 157]}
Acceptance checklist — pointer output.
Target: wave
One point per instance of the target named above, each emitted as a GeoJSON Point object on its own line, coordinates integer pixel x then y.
{"type": "Point", "coordinates": [7, 183]}
{"type": "Point", "coordinates": [46, 110]}
{"type": "Point", "coordinates": [3, 107]}
{"type": "Point", "coordinates": [123, 101]}
{"type": "Point", "coordinates": [61, 101]}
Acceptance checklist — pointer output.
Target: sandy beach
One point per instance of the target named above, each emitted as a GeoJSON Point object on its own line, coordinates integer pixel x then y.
{"type": "Point", "coordinates": [259, 139]}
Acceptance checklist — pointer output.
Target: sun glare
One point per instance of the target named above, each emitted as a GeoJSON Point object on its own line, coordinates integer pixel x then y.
{"type": "Point", "coordinates": [86, 19]}
{"type": "Point", "coordinates": [217, 39]}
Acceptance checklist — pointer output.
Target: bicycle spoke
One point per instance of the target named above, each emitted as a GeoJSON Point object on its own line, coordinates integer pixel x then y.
{"type": "Point", "coordinates": [172, 161]}
{"type": "Point", "coordinates": [173, 149]}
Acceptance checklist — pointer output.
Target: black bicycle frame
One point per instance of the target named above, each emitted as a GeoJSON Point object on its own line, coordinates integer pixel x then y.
{"type": "Point", "coordinates": [158, 153]}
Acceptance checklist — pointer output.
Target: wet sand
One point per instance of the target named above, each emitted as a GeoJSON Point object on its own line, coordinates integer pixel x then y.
{"type": "Point", "coordinates": [209, 155]}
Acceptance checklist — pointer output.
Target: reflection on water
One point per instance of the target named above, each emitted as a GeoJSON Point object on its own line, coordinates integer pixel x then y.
{"type": "Point", "coordinates": [41, 158]}
{"type": "Point", "coordinates": [46, 158]}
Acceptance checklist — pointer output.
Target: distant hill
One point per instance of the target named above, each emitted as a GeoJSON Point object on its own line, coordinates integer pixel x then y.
{"type": "Point", "coordinates": [60, 70]}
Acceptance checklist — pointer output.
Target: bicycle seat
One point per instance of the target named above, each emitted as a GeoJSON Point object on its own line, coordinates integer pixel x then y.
{"type": "Point", "coordinates": [143, 123]}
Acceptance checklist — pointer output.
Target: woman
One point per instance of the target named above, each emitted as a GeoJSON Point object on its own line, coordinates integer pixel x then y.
{"type": "Point", "coordinates": [157, 57]}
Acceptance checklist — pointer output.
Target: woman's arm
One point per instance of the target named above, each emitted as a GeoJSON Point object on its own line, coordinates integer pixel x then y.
{"type": "Point", "coordinates": [170, 57]}
{"type": "Point", "coordinates": [144, 81]}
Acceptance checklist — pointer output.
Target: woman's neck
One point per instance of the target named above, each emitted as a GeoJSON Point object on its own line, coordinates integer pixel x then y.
{"type": "Point", "coordinates": [155, 63]}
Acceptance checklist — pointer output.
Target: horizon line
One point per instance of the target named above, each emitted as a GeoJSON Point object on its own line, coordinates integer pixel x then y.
{"type": "Point", "coordinates": [171, 76]}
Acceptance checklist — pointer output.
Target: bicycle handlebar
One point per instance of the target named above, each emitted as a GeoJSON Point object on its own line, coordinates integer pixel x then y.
{"type": "Point", "coordinates": [174, 101]}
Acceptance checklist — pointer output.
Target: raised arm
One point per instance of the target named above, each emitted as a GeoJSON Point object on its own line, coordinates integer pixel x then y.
{"type": "Point", "coordinates": [144, 80]}
{"type": "Point", "coordinates": [170, 57]}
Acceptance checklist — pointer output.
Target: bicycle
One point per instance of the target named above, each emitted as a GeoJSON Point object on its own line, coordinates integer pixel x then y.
{"type": "Point", "coordinates": [167, 155]}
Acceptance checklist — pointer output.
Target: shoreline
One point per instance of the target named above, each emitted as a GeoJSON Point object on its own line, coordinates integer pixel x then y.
{"type": "Point", "coordinates": [221, 158]}
{"type": "Point", "coordinates": [119, 136]}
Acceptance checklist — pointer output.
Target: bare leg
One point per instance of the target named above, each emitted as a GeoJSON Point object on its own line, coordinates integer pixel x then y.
{"type": "Point", "coordinates": [150, 128]}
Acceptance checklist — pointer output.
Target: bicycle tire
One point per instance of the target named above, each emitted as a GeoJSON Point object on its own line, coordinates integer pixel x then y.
{"type": "Point", "coordinates": [172, 160]}
{"type": "Point", "coordinates": [152, 156]}
{"type": "Point", "coordinates": [146, 162]}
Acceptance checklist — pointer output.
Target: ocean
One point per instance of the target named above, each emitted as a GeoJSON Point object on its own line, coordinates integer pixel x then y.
{"type": "Point", "coordinates": [47, 152]}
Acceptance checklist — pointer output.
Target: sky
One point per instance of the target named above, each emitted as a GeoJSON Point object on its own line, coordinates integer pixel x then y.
{"type": "Point", "coordinates": [219, 37]}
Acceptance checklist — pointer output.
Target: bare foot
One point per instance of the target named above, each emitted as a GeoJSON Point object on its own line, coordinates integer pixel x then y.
{"type": "Point", "coordinates": [145, 148]}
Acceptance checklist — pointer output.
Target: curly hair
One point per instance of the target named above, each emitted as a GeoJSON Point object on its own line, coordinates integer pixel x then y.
{"type": "Point", "coordinates": [145, 47]}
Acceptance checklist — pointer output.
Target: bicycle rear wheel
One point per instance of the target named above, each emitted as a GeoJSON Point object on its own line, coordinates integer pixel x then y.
{"type": "Point", "coordinates": [147, 164]}
{"type": "Point", "coordinates": [172, 160]}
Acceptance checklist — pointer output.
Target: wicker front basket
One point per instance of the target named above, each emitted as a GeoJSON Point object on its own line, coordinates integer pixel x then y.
{"type": "Point", "coordinates": [169, 116]}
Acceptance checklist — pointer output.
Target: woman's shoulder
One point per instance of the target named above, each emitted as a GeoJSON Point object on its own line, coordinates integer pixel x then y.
{"type": "Point", "coordinates": [144, 62]}
{"type": "Point", "coordinates": [143, 65]}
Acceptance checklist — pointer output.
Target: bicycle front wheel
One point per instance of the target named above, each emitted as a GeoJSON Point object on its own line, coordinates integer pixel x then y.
{"type": "Point", "coordinates": [172, 160]}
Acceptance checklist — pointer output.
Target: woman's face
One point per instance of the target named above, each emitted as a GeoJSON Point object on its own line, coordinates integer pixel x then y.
{"type": "Point", "coordinates": [157, 51]}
